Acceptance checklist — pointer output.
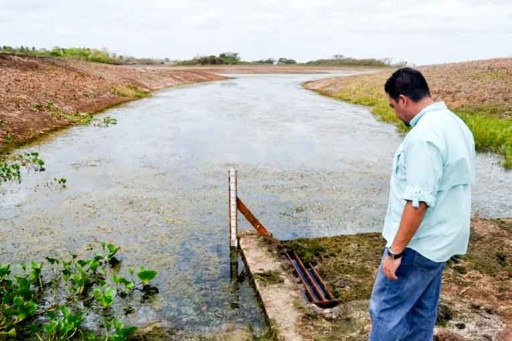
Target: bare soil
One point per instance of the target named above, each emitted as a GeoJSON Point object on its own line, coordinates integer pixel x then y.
{"type": "Point", "coordinates": [284, 69]}
{"type": "Point", "coordinates": [33, 88]}
{"type": "Point", "coordinates": [476, 84]}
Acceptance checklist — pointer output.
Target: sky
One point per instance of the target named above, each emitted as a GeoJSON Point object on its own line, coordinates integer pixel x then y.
{"type": "Point", "coordinates": [419, 32]}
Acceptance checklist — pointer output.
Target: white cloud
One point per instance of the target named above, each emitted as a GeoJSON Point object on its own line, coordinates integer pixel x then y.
{"type": "Point", "coordinates": [421, 32]}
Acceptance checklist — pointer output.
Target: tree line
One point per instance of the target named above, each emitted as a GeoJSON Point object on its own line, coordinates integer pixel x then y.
{"type": "Point", "coordinates": [82, 53]}
{"type": "Point", "coordinates": [225, 58]}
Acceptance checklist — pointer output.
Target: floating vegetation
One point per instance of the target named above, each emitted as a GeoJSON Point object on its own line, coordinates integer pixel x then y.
{"type": "Point", "coordinates": [54, 305]}
{"type": "Point", "coordinates": [11, 165]}
{"type": "Point", "coordinates": [105, 122]}
{"type": "Point", "coordinates": [61, 182]}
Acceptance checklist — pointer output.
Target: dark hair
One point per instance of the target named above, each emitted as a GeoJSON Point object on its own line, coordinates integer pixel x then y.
{"type": "Point", "coordinates": [408, 82]}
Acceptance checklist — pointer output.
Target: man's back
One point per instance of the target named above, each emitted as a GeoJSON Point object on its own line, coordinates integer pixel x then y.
{"type": "Point", "coordinates": [435, 162]}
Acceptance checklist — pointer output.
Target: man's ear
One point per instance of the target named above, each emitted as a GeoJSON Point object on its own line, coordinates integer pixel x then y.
{"type": "Point", "coordinates": [403, 100]}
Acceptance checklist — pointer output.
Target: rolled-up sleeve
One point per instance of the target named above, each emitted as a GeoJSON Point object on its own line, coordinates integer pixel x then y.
{"type": "Point", "coordinates": [424, 167]}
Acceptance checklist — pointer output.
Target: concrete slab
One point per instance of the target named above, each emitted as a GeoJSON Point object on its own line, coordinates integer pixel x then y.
{"type": "Point", "coordinates": [277, 291]}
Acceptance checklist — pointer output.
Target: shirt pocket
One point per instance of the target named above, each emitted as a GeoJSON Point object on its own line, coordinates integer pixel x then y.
{"type": "Point", "coordinates": [400, 166]}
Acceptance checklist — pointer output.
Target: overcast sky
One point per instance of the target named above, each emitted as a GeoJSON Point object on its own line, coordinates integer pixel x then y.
{"type": "Point", "coordinates": [420, 32]}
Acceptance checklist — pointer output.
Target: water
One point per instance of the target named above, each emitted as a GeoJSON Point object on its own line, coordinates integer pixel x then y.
{"type": "Point", "coordinates": [156, 184]}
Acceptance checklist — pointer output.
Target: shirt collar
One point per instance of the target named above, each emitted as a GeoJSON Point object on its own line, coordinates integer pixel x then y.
{"type": "Point", "coordinates": [431, 107]}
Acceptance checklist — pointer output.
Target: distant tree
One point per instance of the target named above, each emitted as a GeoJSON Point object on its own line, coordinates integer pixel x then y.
{"type": "Point", "coordinates": [269, 61]}
{"type": "Point", "coordinates": [401, 63]}
{"type": "Point", "coordinates": [286, 61]}
{"type": "Point", "coordinates": [229, 58]}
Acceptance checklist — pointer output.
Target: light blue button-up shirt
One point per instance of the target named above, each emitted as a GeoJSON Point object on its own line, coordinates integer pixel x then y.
{"type": "Point", "coordinates": [435, 164]}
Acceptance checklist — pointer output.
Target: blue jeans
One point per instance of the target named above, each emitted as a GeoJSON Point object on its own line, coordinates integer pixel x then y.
{"type": "Point", "coordinates": [406, 309]}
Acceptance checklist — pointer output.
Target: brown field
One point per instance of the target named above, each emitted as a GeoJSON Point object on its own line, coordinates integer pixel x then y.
{"type": "Point", "coordinates": [461, 85]}
{"type": "Point", "coordinates": [34, 87]}
{"type": "Point", "coordinates": [284, 69]}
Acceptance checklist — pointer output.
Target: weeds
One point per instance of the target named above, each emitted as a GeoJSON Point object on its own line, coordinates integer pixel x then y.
{"type": "Point", "coordinates": [11, 165]}
{"type": "Point", "coordinates": [105, 122]}
{"type": "Point", "coordinates": [54, 305]}
{"type": "Point", "coordinates": [75, 117]}
{"type": "Point", "coordinates": [269, 277]}
{"type": "Point", "coordinates": [61, 182]}
{"type": "Point", "coordinates": [129, 91]}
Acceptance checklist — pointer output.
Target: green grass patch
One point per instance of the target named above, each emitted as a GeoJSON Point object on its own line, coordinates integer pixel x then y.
{"type": "Point", "coordinates": [129, 91]}
{"type": "Point", "coordinates": [269, 277]}
{"type": "Point", "coordinates": [346, 263]}
{"type": "Point", "coordinates": [491, 133]}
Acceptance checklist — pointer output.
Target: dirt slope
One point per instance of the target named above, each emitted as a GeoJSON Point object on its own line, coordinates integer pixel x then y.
{"type": "Point", "coordinates": [461, 85]}
{"type": "Point", "coordinates": [37, 94]}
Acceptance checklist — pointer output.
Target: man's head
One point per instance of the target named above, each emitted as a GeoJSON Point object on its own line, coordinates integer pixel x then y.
{"type": "Point", "coordinates": [407, 92]}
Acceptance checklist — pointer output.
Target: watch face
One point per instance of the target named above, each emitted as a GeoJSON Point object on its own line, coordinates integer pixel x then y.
{"type": "Point", "coordinates": [393, 255]}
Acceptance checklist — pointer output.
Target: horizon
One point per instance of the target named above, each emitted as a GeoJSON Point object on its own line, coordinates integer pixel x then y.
{"type": "Point", "coordinates": [105, 49]}
{"type": "Point", "coordinates": [420, 34]}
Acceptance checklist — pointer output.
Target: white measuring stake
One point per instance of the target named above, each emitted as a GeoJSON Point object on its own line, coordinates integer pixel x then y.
{"type": "Point", "coordinates": [233, 212]}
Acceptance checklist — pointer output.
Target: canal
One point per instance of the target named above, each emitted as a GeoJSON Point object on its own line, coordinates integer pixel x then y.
{"type": "Point", "coordinates": [156, 185]}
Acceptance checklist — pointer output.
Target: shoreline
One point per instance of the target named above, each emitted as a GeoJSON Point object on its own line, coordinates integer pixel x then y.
{"type": "Point", "coordinates": [40, 94]}
{"type": "Point", "coordinates": [44, 95]}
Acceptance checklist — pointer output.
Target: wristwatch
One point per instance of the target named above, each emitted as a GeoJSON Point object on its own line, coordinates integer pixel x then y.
{"type": "Point", "coordinates": [394, 255]}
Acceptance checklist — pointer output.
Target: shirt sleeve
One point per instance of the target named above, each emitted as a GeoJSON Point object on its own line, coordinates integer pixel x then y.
{"type": "Point", "coordinates": [424, 167]}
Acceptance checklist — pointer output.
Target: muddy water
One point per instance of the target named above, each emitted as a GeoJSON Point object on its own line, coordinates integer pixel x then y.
{"type": "Point", "coordinates": [156, 184]}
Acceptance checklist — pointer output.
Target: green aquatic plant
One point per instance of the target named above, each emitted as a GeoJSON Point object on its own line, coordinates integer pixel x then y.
{"type": "Point", "coordinates": [63, 324]}
{"type": "Point", "coordinates": [61, 182]}
{"type": "Point", "coordinates": [11, 165]}
{"type": "Point", "coordinates": [146, 275]}
{"type": "Point", "coordinates": [75, 117]}
{"type": "Point", "coordinates": [116, 330]}
{"type": "Point", "coordinates": [50, 300]}
{"type": "Point", "coordinates": [105, 122]}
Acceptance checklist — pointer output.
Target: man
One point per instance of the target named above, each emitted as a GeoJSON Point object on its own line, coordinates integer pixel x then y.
{"type": "Point", "coordinates": [428, 215]}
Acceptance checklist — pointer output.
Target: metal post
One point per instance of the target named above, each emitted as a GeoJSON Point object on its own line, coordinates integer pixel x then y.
{"type": "Point", "coordinates": [233, 212]}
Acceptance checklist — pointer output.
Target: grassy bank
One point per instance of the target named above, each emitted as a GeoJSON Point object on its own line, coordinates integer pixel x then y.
{"type": "Point", "coordinates": [476, 91]}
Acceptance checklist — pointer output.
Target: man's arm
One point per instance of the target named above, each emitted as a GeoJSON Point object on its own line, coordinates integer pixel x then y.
{"type": "Point", "coordinates": [409, 224]}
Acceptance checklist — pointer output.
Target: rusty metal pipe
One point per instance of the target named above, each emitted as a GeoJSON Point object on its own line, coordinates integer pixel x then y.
{"type": "Point", "coordinates": [297, 269]}
{"type": "Point", "coordinates": [318, 291]}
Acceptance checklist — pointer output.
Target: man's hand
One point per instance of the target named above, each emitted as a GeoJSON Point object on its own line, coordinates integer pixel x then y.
{"type": "Point", "coordinates": [389, 267]}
